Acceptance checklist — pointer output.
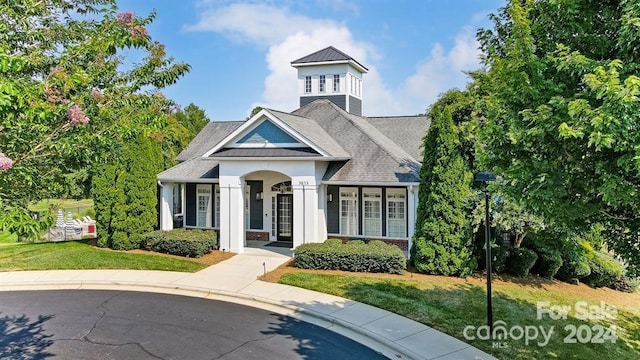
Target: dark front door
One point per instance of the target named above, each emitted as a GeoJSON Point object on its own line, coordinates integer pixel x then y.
{"type": "Point", "coordinates": [285, 217]}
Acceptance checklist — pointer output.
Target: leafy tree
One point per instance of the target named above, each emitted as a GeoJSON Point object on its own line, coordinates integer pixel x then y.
{"type": "Point", "coordinates": [180, 128]}
{"type": "Point", "coordinates": [254, 111]}
{"type": "Point", "coordinates": [125, 194]}
{"type": "Point", "coordinates": [193, 118]}
{"type": "Point", "coordinates": [67, 100]}
{"type": "Point", "coordinates": [560, 96]}
{"type": "Point", "coordinates": [443, 240]}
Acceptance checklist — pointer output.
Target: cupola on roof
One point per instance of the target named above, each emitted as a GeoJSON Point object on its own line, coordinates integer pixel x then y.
{"type": "Point", "coordinates": [329, 54]}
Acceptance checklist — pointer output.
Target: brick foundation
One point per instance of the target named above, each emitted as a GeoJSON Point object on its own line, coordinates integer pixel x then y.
{"type": "Point", "coordinates": [257, 235]}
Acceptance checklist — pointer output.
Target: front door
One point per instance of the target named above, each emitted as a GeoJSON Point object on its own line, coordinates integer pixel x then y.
{"type": "Point", "coordinates": [285, 217]}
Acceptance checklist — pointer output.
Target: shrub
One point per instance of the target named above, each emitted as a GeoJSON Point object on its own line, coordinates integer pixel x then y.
{"type": "Point", "coordinates": [499, 255]}
{"type": "Point", "coordinates": [182, 242]}
{"type": "Point", "coordinates": [355, 242]}
{"type": "Point", "coordinates": [548, 264]}
{"type": "Point", "coordinates": [91, 213]}
{"type": "Point", "coordinates": [520, 261]}
{"type": "Point", "coordinates": [605, 270]}
{"type": "Point", "coordinates": [574, 264]}
{"type": "Point", "coordinates": [623, 284]}
{"type": "Point", "coordinates": [333, 242]}
{"type": "Point", "coordinates": [353, 256]}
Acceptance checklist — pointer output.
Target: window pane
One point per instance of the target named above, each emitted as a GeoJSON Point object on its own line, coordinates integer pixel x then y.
{"type": "Point", "coordinates": [349, 211]}
{"type": "Point", "coordinates": [307, 84]}
{"type": "Point", "coordinates": [396, 224]}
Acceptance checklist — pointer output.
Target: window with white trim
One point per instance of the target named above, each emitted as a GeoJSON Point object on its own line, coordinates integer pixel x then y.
{"type": "Point", "coordinates": [323, 83]}
{"type": "Point", "coordinates": [349, 211]}
{"type": "Point", "coordinates": [372, 212]}
{"type": "Point", "coordinates": [396, 213]}
{"type": "Point", "coordinates": [336, 82]}
{"type": "Point", "coordinates": [307, 84]}
{"type": "Point", "coordinates": [353, 84]}
{"type": "Point", "coordinates": [177, 199]}
{"type": "Point", "coordinates": [203, 202]}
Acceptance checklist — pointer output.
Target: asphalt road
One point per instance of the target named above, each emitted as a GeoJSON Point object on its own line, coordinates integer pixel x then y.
{"type": "Point", "coordinates": [86, 324]}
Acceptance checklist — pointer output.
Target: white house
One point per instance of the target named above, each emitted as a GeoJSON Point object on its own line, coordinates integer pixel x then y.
{"type": "Point", "coordinates": [320, 171]}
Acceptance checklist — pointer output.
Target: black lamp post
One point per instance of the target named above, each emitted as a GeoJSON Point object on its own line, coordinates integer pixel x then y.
{"type": "Point", "coordinates": [486, 177]}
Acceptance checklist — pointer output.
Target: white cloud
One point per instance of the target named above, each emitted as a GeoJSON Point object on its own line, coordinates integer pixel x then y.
{"type": "Point", "coordinates": [257, 23]}
{"type": "Point", "coordinates": [442, 70]}
{"type": "Point", "coordinates": [289, 36]}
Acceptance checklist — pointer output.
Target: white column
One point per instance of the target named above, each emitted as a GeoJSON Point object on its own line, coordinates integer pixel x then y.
{"type": "Point", "coordinates": [322, 213]}
{"type": "Point", "coordinates": [166, 206]}
{"type": "Point", "coordinates": [232, 233]}
{"type": "Point", "coordinates": [412, 208]}
{"type": "Point", "coordinates": [305, 210]}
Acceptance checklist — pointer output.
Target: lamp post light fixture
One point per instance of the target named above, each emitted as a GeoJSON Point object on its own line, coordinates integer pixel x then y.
{"type": "Point", "coordinates": [486, 177]}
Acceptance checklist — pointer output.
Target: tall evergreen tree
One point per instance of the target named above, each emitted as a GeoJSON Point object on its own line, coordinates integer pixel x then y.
{"type": "Point", "coordinates": [443, 240]}
{"type": "Point", "coordinates": [125, 194]}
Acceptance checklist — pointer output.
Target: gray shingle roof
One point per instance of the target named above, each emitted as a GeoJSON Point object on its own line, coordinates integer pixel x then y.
{"type": "Point", "coordinates": [375, 157]}
{"type": "Point", "coordinates": [193, 169]}
{"type": "Point", "coordinates": [406, 131]}
{"type": "Point", "coordinates": [213, 133]}
{"type": "Point", "coordinates": [376, 150]}
{"type": "Point", "coordinates": [327, 54]}
{"type": "Point", "coordinates": [313, 132]}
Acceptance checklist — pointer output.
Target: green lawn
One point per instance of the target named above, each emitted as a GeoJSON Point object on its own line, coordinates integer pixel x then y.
{"type": "Point", "coordinates": [80, 255]}
{"type": "Point", "coordinates": [77, 207]}
{"type": "Point", "coordinates": [7, 238]}
{"type": "Point", "coordinates": [452, 306]}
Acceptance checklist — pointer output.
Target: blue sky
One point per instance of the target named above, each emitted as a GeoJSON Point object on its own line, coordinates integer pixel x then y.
{"type": "Point", "coordinates": [240, 51]}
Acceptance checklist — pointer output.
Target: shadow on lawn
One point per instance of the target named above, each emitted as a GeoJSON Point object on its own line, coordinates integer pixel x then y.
{"type": "Point", "coordinates": [453, 308]}
{"type": "Point", "coordinates": [23, 338]}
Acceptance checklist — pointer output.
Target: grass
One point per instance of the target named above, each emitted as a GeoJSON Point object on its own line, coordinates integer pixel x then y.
{"type": "Point", "coordinates": [81, 255]}
{"type": "Point", "coordinates": [449, 305]}
{"type": "Point", "coordinates": [77, 207]}
{"type": "Point", "coordinates": [7, 238]}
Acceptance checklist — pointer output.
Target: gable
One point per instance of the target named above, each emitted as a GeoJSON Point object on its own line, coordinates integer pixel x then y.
{"type": "Point", "coordinates": [267, 132]}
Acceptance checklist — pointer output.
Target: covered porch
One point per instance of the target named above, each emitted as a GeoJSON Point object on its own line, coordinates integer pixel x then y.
{"type": "Point", "coordinates": [277, 201]}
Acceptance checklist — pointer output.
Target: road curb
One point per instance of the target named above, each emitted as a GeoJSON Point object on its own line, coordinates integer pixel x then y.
{"type": "Point", "coordinates": [368, 338]}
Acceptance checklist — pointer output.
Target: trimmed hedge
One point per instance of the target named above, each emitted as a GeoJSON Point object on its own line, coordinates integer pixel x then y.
{"type": "Point", "coordinates": [355, 256]}
{"type": "Point", "coordinates": [548, 264]}
{"type": "Point", "coordinates": [182, 242]}
{"type": "Point", "coordinates": [605, 270]}
{"type": "Point", "coordinates": [520, 261]}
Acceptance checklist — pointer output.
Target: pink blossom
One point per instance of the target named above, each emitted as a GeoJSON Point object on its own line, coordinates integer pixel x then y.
{"type": "Point", "coordinates": [97, 95]}
{"type": "Point", "coordinates": [76, 115]}
{"type": "Point", "coordinates": [173, 109]}
{"type": "Point", "coordinates": [5, 162]}
{"type": "Point", "coordinates": [139, 32]}
{"type": "Point", "coordinates": [125, 18]}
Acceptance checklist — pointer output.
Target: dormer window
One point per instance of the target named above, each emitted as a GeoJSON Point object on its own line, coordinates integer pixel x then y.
{"type": "Point", "coordinates": [307, 84]}
{"type": "Point", "coordinates": [336, 83]}
{"type": "Point", "coordinates": [323, 83]}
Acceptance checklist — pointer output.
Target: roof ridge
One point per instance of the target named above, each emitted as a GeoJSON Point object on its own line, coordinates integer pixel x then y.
{"type": "Point", "coordinates": [374, 129]}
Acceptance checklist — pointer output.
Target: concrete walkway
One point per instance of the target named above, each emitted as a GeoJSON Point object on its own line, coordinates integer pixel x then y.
{"type": "Point", "coordinates": [235, 280]}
